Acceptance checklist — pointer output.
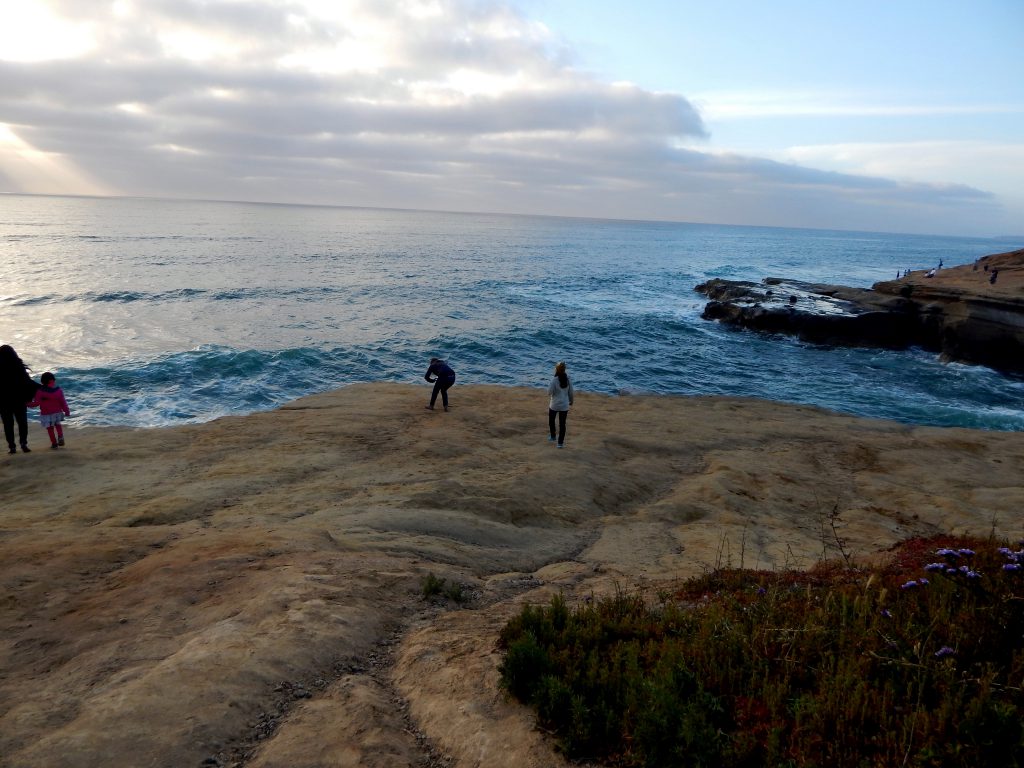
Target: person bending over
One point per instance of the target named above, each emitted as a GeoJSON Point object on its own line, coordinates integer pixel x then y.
{"type": "Point", "coordinates": [442, 376]}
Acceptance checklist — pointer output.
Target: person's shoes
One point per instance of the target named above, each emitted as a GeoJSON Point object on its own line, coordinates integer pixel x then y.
{"type": "Point", "coordinates": [24, 448]}
{"type": "Point", "coordinates": [60, 441]}
{"type": "Point", "coordinates": [446, 409]}
{"type": "Point", "coordinates": [54, 446]}
{"type": "Point", "coordinates": [13, 450]}
{"type": "Point", "coordinates": [561, 446]}
{"type": "Point", "coordinates": [429, 407]}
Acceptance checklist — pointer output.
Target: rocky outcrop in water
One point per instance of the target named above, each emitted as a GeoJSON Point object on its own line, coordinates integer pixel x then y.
{"type": "Point", "coordinates": [963, 313]}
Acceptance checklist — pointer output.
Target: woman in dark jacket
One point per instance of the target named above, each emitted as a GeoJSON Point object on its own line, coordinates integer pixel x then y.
{"type": "Point", "coordinates": [16, 389]}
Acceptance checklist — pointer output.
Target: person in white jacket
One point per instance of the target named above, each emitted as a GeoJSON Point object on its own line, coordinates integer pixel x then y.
{"type": "Point", "coordinates": [560, 396]}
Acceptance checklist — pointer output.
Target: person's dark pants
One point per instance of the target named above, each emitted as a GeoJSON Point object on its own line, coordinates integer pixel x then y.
{"type": "Point", "coordinates": [561, 424]}
{"type": "Point", "coordinates": [442, 387]}
{"type": "Point", "coordinates": [9, 415]}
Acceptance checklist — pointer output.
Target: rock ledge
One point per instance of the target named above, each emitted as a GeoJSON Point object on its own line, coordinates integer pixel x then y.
{"type": "Point", "coordinates": [956, 312]}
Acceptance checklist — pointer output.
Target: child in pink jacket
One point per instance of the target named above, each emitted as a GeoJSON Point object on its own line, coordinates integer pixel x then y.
{"type": "Point", "coordinates": [52, 408]}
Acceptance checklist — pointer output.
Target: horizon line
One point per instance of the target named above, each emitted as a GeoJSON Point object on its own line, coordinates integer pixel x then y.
{"type": "Point", "coordinates": [340, 206]}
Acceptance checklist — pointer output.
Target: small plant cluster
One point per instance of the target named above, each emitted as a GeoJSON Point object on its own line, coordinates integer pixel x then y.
{"type": "Point", "coordinates": [906, 665]}
{"type": "Point", "coordinates": [432, 586]}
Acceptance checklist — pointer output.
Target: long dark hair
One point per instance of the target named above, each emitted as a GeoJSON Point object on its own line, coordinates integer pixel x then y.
{"type": "Point", "coordinates": [16, 385]}
{"type": "Point", "coordinates": [11, 366]}
{"type": "Point", "coordinates": [563, 377]}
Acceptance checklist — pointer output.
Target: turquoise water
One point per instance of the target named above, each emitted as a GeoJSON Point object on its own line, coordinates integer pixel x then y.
{"type": "Point", "coordinates": [161, 312]}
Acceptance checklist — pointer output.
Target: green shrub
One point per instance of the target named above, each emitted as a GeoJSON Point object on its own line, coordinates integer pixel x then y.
{"type": "Point", "coordinates": [456, 592]}
{"type": "Point", "coordinates": [917, 664]}
{"type": "Point", "coordinates": [431, 585]}
{"type": "Point", "coordinates": [524, 668]}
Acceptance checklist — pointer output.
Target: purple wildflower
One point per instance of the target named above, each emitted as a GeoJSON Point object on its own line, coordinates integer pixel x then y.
{"type": "Point", "coordinates": [952, 571]}
{"type": "Point", "coordinates": [922, 581]}
{"type": "Point", "coordinates": [935, 567]}
{"type": "Point", "coordinates": [967, 552]}
{"type": "Point", "coordinates": [762, 591]}
{"type": "Point", "coordinates": [886, 613]}
{"type": "Point", "coordinates": [943, 652]}
{"type": "Point", "coordinates": [1012, 567]}
{"type": "Point", "coordinates": [1005, 551]}
{"type": "Point", "coordinates": [952, 554]}
{"type": "Point", "coordinates": [909, 585]}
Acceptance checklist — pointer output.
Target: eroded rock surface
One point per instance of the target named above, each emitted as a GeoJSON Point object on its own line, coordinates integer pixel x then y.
{"type": "Point", "coordinates": [957, 312]}
{"type": "Point", "coordinates": [248, 592]}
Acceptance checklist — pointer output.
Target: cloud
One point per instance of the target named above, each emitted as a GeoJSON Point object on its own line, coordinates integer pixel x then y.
{"type": "Point", "coordinates": [445, 104]}
{"type": "Point", "coordinates": [740, 105]}
{"type": "Point", "coordinates": [997, 164]}
{"type": "Point", "coordinates": [32, 171]}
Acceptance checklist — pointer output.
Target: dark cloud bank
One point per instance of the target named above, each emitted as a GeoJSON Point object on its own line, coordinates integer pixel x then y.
{"type": "Point", "coordinates": [547, 138]}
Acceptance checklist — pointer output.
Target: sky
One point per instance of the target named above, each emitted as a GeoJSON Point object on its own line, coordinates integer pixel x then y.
{"type": "Point", "coordinates": [874, 115]}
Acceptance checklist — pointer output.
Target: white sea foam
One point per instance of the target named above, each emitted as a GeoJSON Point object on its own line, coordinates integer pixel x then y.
{"type": "Point", "coordinates": [158, 313]}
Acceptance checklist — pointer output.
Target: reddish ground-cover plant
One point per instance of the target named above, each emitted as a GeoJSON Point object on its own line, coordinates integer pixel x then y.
{"type": "Point", "coordinates": [916, 663]}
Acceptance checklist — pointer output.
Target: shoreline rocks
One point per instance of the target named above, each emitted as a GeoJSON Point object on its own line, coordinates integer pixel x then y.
{"type": "Point", "coordinates": [956, 312]}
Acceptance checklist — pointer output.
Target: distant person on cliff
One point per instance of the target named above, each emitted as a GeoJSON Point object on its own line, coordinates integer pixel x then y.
{"type": "Point", "coordinates": [992, 278]}
{"type": "Point", "coordinates": [560, 397]}
{"type": "Point", "coordinates": [442, 377]}
{"type": "Point", "coordinates": [16, 389]}
{"type": "Point", "coordinates": [52, 408]}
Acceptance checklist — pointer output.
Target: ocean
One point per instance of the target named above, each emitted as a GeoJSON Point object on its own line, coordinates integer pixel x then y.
{"type": "Point", "coordinates": [160, 312]}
